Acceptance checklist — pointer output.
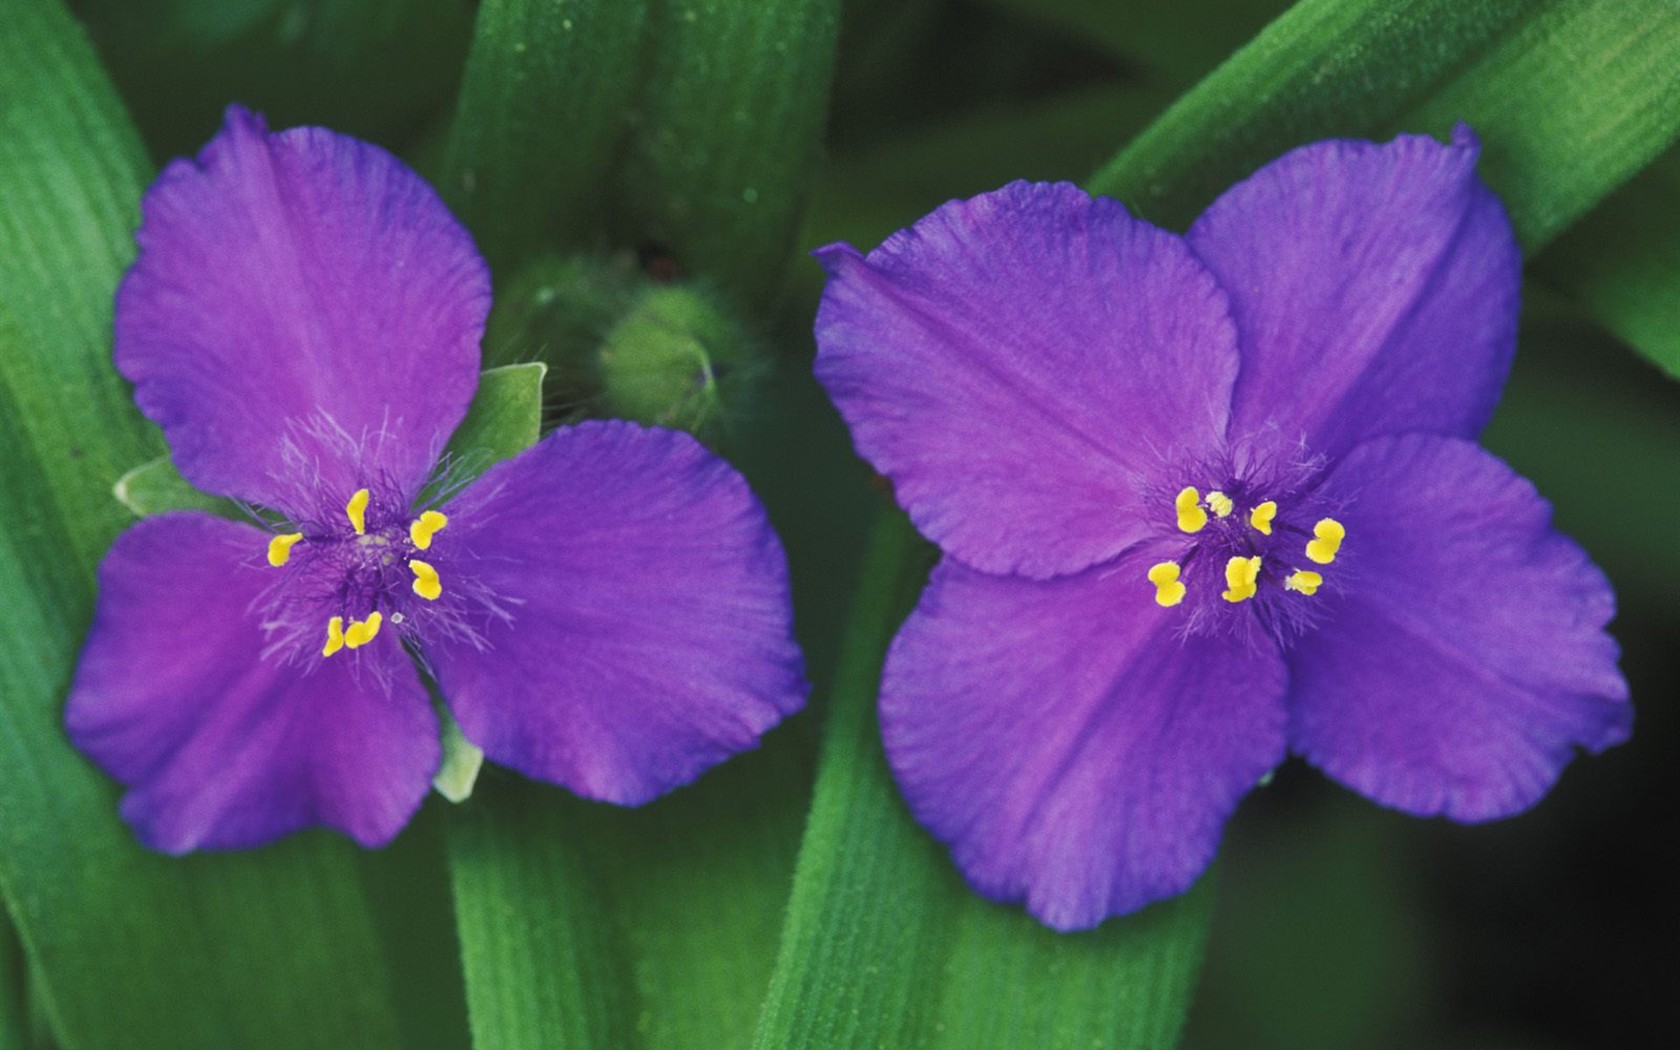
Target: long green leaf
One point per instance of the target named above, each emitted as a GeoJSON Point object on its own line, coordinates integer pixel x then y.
{"type": "Point", "coordinates": [1622, 263]}
{"type": "Point", "coordinates": [730, 116]}
{"type": "Point", "coordinates": [547, 92]}
{"type": "Point", "coordinates": [1571, 97]}
{"type": "Point", "coordinates": [884, 946]}
{"type": "Point", "coordinates": [263, 949]}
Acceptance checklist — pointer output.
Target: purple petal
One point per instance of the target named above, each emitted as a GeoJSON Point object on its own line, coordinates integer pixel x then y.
{"type": "Point", "coordinates": [1375, 289]}
{"type": "Point", "coordinates": [219, 747]}
{"type": "Point", "coordinates": [647, 628]}
{"type": "Point", "coordinates": [1019, 363]}
{"type": "Point", "coordinates": [1068, 741]}
{"type": "Point", "coordinates": [1466, 658]}
{"type": "Point", "coordinates": [300, 294]}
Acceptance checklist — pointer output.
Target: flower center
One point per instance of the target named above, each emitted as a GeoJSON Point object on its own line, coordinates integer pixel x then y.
{"type": "Point", "coordinates": [1250, 543]}
{"type": "Point", "coordinates": [350, 579]}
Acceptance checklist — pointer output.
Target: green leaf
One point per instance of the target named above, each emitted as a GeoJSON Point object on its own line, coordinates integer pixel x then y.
{"type": "Point", "coordinates": [884, 946]}
{"type": "Point", "coordinates": [548, 88]}
{"type": "Point", "coordinates": [1622, 263]}
{"type": "Point", "coordinates": [156, 487]}
{"type": "Point", "coordinates": [1571, 97]}
{"type": "Point", "coordinates": [128, 948]}
{"type": "Point", "coordinates": [730, 117]}
{"type": "Point", "coordinates": [502, 421]}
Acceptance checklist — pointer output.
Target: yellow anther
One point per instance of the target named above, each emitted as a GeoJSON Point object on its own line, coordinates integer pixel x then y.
{"type": "Point", "coordinates": [280, 547]}
{"type": "Point", "coordinates": [1168, 591]}
{"type": "Point", "coordinates": [335, 636]}
{"type": "Point", "coordinates": [1242, 577]}
{"type": "Point", "coordinates": [1261, 517]}
{"type": "Point", "coordinates": [1191, 517]}
{"type": "Point", "coordinates": [1305, 581]}
{"type": "Point", "coordinates": [1329, 534]}
{"type": "Point", "coordinates": [361, 632]}
{"type": "Point", "coordinates": [356, 511]}
{"type": "Point", "coordinates": [1219, 503]}
{"type": "Point", "coordinates": [421, 529]}
{"type": "Point", "coordinates": [426, 583]}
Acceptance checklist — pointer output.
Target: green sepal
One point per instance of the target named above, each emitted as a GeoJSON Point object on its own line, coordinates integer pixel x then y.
{"type": "Point", "coordinates": [462, 759]}
{"type": "Point", "coordinates": [157, 487]}
{"type": "Point", "coordinates": [504, 419]}
{"type": "Point", "coordinates": [676, 360]}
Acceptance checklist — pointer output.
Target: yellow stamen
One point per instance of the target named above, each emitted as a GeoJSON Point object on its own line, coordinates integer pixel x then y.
{"type": "Point", "coordinates": [356, 511]}
{"type": "Point", "coordinates": [1261, 517]}
{"type": "Point", "coordinates": [421, 529]}
{"type": "Point", "coordinates": [1242, 577]}
{"type": "Point", "coordinates": [1219, 503]}
{"type": "Point", "coordinates": [361, 632]}
{"type": "Point", "coordinates": [1329, 534]}
{"type": "Point", "coordinates": [335, 636]}
{"type": "Point", "coordinates": [1191, 517]}
{"type": "Point", "coordinates": [426, 583]}
{"type": "Point", "coordinates": [1168, 591]}
{"type": "Point", "coordinates": [1305, 581]}
{"type": "Point", "coordinates": [280, 547]}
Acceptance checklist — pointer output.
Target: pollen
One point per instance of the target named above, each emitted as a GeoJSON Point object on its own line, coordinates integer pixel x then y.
{"type": "Point", "coordinates": [280, 548]}
{"type": "Point", "coordinates": [335, 636]}
{"type": "Point", "coordinates": [1168, 590]}
{"type": "Point", "coordinates": [420, 531]}
{"type": "Point", "coordinates": [1261, 517]}
{"type": "Point", "coordinates": [426, 583]}
{"type": "Point", "coordinates": [1305, 581]}
{"type": "Point", "coordinates": [356, 511]}
{"type": "Point", "coordinates": [1327, 540]}
{"type": "Point", "coordinates": [1191, 517]}
{"type": "Point", "coordinates": [1219, 503]}
{"type": "Point", "coordinates": [361, 632]}
{"type": "Point", "coordinates": [1242, 578]}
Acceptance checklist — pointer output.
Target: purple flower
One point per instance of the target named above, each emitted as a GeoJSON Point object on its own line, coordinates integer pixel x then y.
{"type": "Point", "coordinates": [608, 610]}
{"type": "Point", "coordinates": [1205, 501]}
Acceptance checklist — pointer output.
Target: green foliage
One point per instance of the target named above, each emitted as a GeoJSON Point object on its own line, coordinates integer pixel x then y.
{"type": "Point", "coordinates": [119, 938]}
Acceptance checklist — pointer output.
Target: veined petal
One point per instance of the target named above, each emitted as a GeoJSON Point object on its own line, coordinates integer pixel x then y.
{"type": "Point", "coordinates": [218, 747]}
{"type": "Point", "coordinates": [1465, 659]}
{"type": "Point", "coordinates": [1068, 741]}
{"type": "Point", "coordinates": [1375, 289]}
{"type": "Point", "coordinates": [300, 295]}
{"type": "Point", "coordinates": [645, 627]}
{"type": "Point", "coordinates": [1019, 363]}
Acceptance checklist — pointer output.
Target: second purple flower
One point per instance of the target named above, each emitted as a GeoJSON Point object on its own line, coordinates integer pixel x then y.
{"type": "Point", "coordinates": [1205, 501]}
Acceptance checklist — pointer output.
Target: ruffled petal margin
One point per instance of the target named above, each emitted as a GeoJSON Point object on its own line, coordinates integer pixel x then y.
{"type": "Point", "coordinates": [303, 306]}
{"type": "Point", "coordinates": [1020, 365]}
{"type": "Point", "coordinates": [1465, 659]}
{"type": "Point", "coordinates": [1069, 742]}
{"type": "Point", "coordinates": [1375, 289]}
{"type": "Point", "coordinates": [645, 626]}
{"type": "Point", "coordinates": [219, 747]}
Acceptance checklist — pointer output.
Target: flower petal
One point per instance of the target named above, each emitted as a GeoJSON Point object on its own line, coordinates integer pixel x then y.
{"type": "Point", "coordinates": [219, 747]}
{"type": "Point", "coordinates": [1068, 741]}
{"type": "Point", "coordinates": [1019, 363]}
{"type": "Point", "coordinates": [647, 627]}
{"type": "Point", "coordinates": [1375, 289]}
{"type": "Point", "coordinates": [1466, 658]}
{"type": "Point", "coordinates": [300, 294]}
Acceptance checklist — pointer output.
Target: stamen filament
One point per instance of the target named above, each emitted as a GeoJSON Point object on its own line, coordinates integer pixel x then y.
{"type": "Point", "coordinates": [1261, 517]}
{"type": "Point", "coordinates": [280, 548]}
{"type": "Point", "coordinates": [1242, 576]}
{"type": "Point", "coordinates": [426, 583]}
{"type": "Point", "coordinates": [1191, 517]}
{"type": "Point", "coordinates": [1168, 590]}
{"type": "Point", "coordinates": [1328, 535]}
{"type": "Point", "coordinates": [356, 511]}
